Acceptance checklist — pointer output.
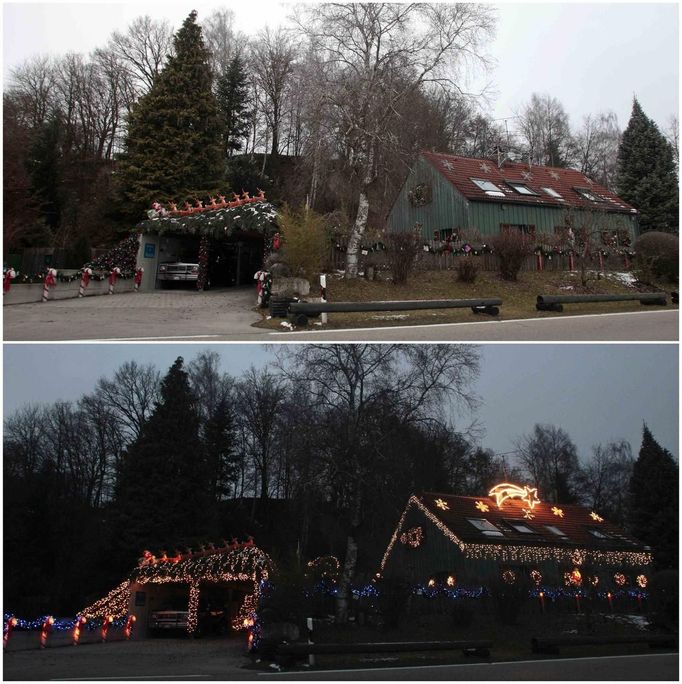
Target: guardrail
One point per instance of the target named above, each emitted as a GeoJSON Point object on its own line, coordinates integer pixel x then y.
{"type": "Point", "coordinates": [300, 311]}
{"type": "Point", "coordinates": [289, 652]}
{"type": "Point", "coordinates": [553, 645]}
{"type": "Point", "coordinates": [556, 302]}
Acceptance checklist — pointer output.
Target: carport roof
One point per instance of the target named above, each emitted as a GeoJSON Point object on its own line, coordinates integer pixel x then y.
{"type": "Point", "coordinates": [256, 217]}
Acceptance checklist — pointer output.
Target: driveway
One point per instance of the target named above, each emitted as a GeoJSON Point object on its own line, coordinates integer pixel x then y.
{"type": "Point", "coordinates": [157, 315]}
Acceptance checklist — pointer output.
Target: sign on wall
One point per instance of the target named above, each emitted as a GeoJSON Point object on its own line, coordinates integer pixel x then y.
{"type": "Point", "coordinates": [149, 250]}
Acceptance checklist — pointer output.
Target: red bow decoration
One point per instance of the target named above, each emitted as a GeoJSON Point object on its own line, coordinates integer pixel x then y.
{"type": "Point", "coordinates": [275, 241]}
{"type": "Point", "coordinates": [113, 276]}
{"type": "Point", "coordinates": [85, 277]}
{"type": "Point", "coordinates": [138, 276]}
{"type": "Point", "coordinates": [50, 280]}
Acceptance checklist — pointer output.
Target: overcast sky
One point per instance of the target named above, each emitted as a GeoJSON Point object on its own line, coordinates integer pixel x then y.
{"type": "Point", "coordinates": [597, 393]}
{"type": "Point", "coordinates": [593, 57]}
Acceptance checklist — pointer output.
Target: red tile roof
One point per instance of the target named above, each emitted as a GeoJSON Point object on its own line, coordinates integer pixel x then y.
{"type": "Point", "coordinates": [460, 170]}
{"type": "Point", "coordinates": [575, 523]}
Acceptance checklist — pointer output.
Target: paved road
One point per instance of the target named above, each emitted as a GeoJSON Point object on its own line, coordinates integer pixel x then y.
{"type": "Point", "coordinates": [659, 667]}
{"type": "Point", "coordinates": [228, 315]}
{"type": "Point", "coordinates": [225, 660]}
{"type": "Point", "coordinates": [638, 326]}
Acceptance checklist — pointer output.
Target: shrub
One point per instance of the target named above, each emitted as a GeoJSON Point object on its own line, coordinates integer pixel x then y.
{"type": "Point", "coordinates": [657, 255]}
{"type": "Point", "coordinates": [512, 248]}
{"type": "Point", "coordinates": [305, 241]}
{"type": "Point", "coordinates": [467, 270]}
{"type": "Point", "coordinates": [402, 252]}
{"type": "Point", "coordinates": [664, 592]}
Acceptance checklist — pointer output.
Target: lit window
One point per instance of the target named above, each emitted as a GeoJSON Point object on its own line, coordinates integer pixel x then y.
{"type": "Point", "coordinates": [552, 193]}
{"type": "Point", "coordinates": [556, 530]}
{"type": "Point", "coordinates": [588, 194]}
{"type": "Point", "coordinates": [521, 188]}
{"type": "Point", "coordinates": [488, 187]}
{"type": "Point", "coordinates": [485, 526]}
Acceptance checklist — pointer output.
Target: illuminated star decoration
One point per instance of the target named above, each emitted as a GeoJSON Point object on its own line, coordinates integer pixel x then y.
{"type": "Point", "coordinates": [595, 517]}
{"type": "Point", "coordinates": [484, 508]}
{"type": "Point", "coordinates": [557, 511]}
{"type": "Point", "coordinates": [554, 175]}
{"type": "Point", "coordinates": [486, 168]}
{"type": "Point", "coordinates": [442, 504]}
{"type": "Point", "coordinates": [527, 175]}
{"type": "Point", "coordinates": [528, 514]}
{"type": "Point", "coordinates": [448, 165]}
{"type": "Point", "coordinates": [504, 491]}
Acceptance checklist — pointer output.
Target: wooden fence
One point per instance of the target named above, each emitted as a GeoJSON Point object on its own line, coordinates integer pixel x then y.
{"type": "Point", "coordinates": [446, 261]}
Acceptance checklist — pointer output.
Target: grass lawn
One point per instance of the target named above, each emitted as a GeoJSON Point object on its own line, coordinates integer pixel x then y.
{"type": "Point", "coordinates": [518, 298]}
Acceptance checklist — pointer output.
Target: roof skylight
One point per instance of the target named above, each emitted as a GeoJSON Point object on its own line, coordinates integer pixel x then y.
{"type": "Point", "coordinates": [488, 187]}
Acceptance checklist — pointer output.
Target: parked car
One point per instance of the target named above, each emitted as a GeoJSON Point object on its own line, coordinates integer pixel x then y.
{"type": "Point", "coordinates": [177, 272]}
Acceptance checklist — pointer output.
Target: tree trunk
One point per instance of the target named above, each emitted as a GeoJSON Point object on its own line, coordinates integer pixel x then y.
{"type": "Point", "coordinates": [360, 218]}
{"type": "Point", "coordinates": [356, 235]}
{"type": "Point", "coordinates": [350, 562]}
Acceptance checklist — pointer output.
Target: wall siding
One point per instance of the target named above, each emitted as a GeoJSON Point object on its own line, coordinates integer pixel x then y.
{"type": "Point", "coordinates": [449, 210]}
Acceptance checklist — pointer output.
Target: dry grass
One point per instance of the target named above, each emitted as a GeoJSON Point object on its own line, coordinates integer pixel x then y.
{"type": "Point", "coordinates": [518, 297]}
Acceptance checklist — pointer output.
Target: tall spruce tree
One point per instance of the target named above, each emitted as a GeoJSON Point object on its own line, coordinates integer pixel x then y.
{"type": "Point", "coordinates": [164, 487]}
{"type": "Point", "coordinates": [646, 175]}
{"type": "Point", "coordinates": [654, 508]}
{"type": "Point", "coordinates": [232, 94]}
{"type": "Point", "coordinates": [173, 149]}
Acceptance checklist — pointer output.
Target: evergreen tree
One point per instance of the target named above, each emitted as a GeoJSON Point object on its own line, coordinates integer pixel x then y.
{"type": "Point", "coordinates": [654, 501]}
{"type": "Point", "coordinates": [646, 175]}
{"type": "Point", "coordinates": [173, 148]}
{"type": "Point", "coordinates": [45, 172]}
{"type": "Point", "coordinates": [233, 105]}
{"type": "Point", "coordinates": [164, 488]}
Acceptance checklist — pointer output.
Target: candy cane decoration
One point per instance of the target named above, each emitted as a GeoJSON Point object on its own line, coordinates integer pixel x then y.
{"type": "Point", "coordinates": [50, 281]}
{"type": "Point", "coordinates": [47, 627]}
{"type": "Point", "coordinates": [105, 627]}
{"type": "Point", "coordinates": [9, 626]}
{"type": "Point", "coordinates": [130, 622]}
{"type": "Point", "coordinates": [7, 282]}
{"type": "Point", "coordinates": [113, 277]}
{"type": "Point", "coordinates": [138, 278]}
{"type": "Point", "coordinates": [80, 621]}
{"type": "Point", "coordinates": [85, 281]}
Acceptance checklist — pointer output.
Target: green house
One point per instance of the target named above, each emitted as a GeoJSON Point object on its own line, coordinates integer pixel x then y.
{"type": "Point", "coordinates": [510, 536]}
{"type": "Point", "coordinates": [445, 195]}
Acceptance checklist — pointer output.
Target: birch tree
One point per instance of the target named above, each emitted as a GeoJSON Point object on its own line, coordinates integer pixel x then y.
{"type": "Point", "coordinates": [379, 54]}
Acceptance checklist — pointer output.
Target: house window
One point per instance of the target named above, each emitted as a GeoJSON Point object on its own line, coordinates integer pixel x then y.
{"type": "Point", "coordinates": [588, 194]}
{"type": "Point", "coordinates": [486, 527]}
{"type": "Point", "coordinates": [488, 187]}
{"type": "Point", "coordinates": [597, 533]}
{"type": "Point", "coordinates": [555, 530]}
{"type": "Point", "coordinates": [520, 227]}
{"type": "Point", "coordinates": [521, 188]}
{"type": "Point", "coordinates": [520, 527]}
{"type": "Point", "coordinates": [552, 193]}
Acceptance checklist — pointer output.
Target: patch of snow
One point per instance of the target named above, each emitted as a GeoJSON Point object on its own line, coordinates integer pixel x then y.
{"type": "Point", "coordinates": [639, 621]}
{"type": "Point", "coordinates": [566, 287]}
{"type": "Point", "coordinates": [623, 277]}
{"type": "Point", "coordinates": [317, 323]}
{"type": "Point", "coordinates": [287, 325]}
{"type": "Point", "coordinates": [267, 318]}
{"type": "Point", "coordinates": [390, 317]}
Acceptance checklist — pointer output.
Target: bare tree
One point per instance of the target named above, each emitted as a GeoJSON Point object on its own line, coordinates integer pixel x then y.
{"type": "Point", "coordinates": [223, 41]}
{"type": "Point", "coordinates": [350, 383]}
{"type": "Point", "coordinates": [595, 148]}
{"type": "Point", "coordinates": [143, 49]}
{"type": "Point", "coordinates": [131, 393]}
{"type": "Point", "coordinates": [259, 396]}
{"type": "Point", "coordinates": [379, 54]}
{"type": "Point", "coordinates": [272, 61]}
{"type": "Point", "coordinates": [550, 459]}
{"type": "Point", "coordinates": [33, 83]}
{"type": "Point", "coordinates": [543, 124]}
{"type": "Point", "coordinates": [672, 133]}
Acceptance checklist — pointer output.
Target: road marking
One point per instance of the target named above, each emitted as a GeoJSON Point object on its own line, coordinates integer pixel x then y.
{"type": "Point", "coordinates": [142, 339]}
{"type": "Point", "coordinates": [500, 662]}
{"type": "Point", "coordinates": [442, 325]}
{"type": "Point", "coordinates": [159, 676]}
